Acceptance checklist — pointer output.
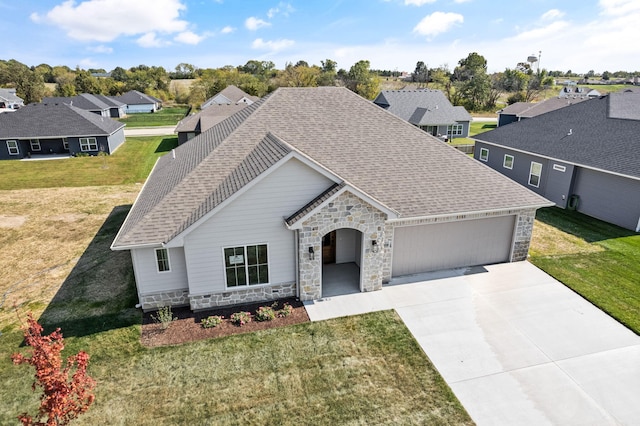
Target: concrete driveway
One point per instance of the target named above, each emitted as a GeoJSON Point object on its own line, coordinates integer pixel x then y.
{"type": "Point", "coordinates": [515, 345]}
{"type": "Point", "coordinates": [149, 131]}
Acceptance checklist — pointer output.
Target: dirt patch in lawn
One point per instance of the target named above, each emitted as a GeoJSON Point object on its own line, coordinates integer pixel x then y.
{"type": "Point", "coordinates": [188, 325]}
{"type": "Point", "coordinates": [12, 221]}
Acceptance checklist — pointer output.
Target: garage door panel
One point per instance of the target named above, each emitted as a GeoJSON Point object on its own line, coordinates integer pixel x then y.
{"type": "Point", "coordinates": [433, 247]}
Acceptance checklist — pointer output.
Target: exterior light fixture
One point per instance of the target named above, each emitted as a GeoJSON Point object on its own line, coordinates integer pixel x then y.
{"type": "Point", "coordinates": [312, 255]}
{"type": "Point", "coordinates": [374, 246]}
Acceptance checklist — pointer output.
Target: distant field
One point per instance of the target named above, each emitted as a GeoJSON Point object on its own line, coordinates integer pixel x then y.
{"type": "Point", "coordinates": [165, 117]}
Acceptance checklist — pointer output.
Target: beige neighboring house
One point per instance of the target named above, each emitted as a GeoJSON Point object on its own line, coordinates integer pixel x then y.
{"type": "Point", "coordinates": [191, 126]}
{"type": "Point", "coordinates": [259, 205]}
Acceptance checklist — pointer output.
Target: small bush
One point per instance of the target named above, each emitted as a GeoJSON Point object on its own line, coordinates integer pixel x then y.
{"type": "Point", "coordinates": [286, 310]}
{"type": "Point", "coordinates": [212, 321]}
{"type": "Point", "coordinates": [164, 316]}
{"type": "Point", "coordinates": [240, 318]}
{"type": "Point", "coordinates": [265, 313]}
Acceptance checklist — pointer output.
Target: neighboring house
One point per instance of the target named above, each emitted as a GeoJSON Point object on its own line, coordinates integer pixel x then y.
{"type": "Point", "coordinates": [85, 101]}
{"type": "Point", "coordinates": [521, 110]}
{"type": "Point", "coordinates": [251, 209]}
{"type": "Point", "coordinates": [9, 99]}
{"type": "Point", "coordinates": [583, 157]}
{"type": "Point", "coordinates": [230, 95]}
{"type": "Point", "coordinates": [191, 126]}
{"type": "Point", "coordinates": [138, 102]}
{"type": "Point", "coordinates": [57, 129]}
{"type": "Point", "coordinates": [428, 109]}
{"type": "Point", "coordinates": [578, 92]}
{"type": "Point", "coordinates": [117, 109]}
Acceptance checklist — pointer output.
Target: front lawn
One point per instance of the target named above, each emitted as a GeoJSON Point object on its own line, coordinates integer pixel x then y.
{"type": "Point", "coordinates": [595, 259]}
{"type": "Point", "coordinates": [475, 128]}
{"type": "Point", "coordinates": [163, 117]}
{"type": "Point", "coordinates": [131, 163]}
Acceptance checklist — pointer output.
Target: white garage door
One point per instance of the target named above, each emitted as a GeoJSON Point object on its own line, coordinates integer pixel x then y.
{"type": "Point", "coordinates": [433, 247]}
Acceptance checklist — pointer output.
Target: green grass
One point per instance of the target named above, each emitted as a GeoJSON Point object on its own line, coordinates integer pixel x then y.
{"type": "Point", "coordinates": [475, 128]}
{"type": "Point", "coordinates": [131, 163]}
{"type": "Point", "coordinates": [600, 262]}
{"type": "Point", "coordinates": [165, 117]}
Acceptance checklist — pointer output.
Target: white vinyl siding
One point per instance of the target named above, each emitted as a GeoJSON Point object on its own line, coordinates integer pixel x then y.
{"type": "Point", "coordinates": [148, 279]}
{"type": "Point", "coordinates": [162, 260]}
{"type": "Point", "coordinates": [35, 145]}
{"type": "Point", "coordinates": [256, 216]}
{"type": "Point", "coordinates": [12, 147]}
{"type": "Point", "coordinates": [534, 174]}
{"type": "Point", "coordinates": [507, 163]}
{"type": "Point", "coordinates": [88, 144]}
{"type": "Point", "coordinates": [484, 154]}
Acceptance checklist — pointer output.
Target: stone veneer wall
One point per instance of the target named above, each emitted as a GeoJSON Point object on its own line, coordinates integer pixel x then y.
{"type": "Point", "coordinates": [519, 250]}
{"type": "Point", "coordinates": [248, 294]}
{"type": "Point", "coordinates": [346, 211]}
{"type": "Point", "coordinates": [150, 302]}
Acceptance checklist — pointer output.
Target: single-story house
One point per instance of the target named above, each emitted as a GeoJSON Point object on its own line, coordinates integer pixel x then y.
{"type": "Point", "coordinates": [584, 157]}
{"type": "Point", "coordinates": [117, 109]}
{"type": "Point", "coordinates": [578, 92]}
{"type": "Point", "coordinates": [251, 209]}
{"type": "Point", "coordinates": [191, 126]}
{"type": "Point", "coordinates": [138, 102]}
{"type": "Point", "coordinates": [230, 95]}
{"type": "Point", "coordinates": [9, 99]}
{"type": "Point", "coordinates": [427, 109]}
{"type": "Point", "coordinates": [85, 101]}
{"type": "Point", "coordinates": [41, 129]}
{"type": "Point", "coordinates": [522, 110]}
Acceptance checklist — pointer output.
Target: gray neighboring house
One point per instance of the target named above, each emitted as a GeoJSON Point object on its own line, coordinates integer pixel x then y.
{"type": "Point", "coordinates": [138, 102]}
{"type": "Point", "coordinates": [230, 95]}
{"type": "Point", "coordinates": [191, 126]}
{"type": "Point", "coordinates": [57, 129]}
{"type": "Point", "coordinates": [117, 109]}
{"type": "Point", "coordinates": [583, 157]}
{"type": "Point", "coordinates": [522, 110]}
{"type": "Point", "coordinates": [9, 99]}
{"type": "Point", "coordinates": [85, 101]}
{"type": "Point", "coordinates": [254, 208]}
{"type": "Point", "coordinates": [575, 92]}
{"type": "Point", "coordinates": [427, 109]}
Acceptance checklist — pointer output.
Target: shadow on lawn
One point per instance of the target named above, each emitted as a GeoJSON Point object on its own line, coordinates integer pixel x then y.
{"type": "Point", "coordinates": [99, 293]}
{"type": "Point", "coordinates": [582, 226]}
{"type": "Point", "coordinates": [167, 144]}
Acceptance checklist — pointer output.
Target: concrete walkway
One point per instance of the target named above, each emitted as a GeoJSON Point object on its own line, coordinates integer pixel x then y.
{"type": "Point", "coordinates": [516, 346]}
{"type": "Point", "coordinates": [149, 131]}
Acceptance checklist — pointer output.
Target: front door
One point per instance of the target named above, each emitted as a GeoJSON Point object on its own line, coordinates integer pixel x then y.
{"type": "Point", "coordinates": [329, 248]}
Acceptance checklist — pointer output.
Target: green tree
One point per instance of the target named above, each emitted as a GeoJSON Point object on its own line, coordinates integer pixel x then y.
{"type": "Point", "coordinates": [327, 75]}
{"type": "Point", "coordinates": [421, 73]}
{"type": "Point", "coordinates": [86, 83]}
{"type": "Point", "coordinates": [361, 80]}
{"type": "Point", "coordinates": [472, 86]}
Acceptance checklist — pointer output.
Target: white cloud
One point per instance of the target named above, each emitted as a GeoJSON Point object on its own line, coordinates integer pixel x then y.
{"type": "Point", "coordinates": [418, 2]}
{"type": "Point", "coordinates": [189, 37]}
{"type": "Point", "coordinates": [150, 40]}
{"type": "Point", "coordinates": [462, 1]}
{"type": "Point", "coordinates": [88, 63]}
{"type": "Point", "coordinates": [106, 20]}
{"type": "Point", "coordinates": [552, 30]}
{"type": "Point", "coordinates": [619, 7]}
{"type": "Point", "coordinates": [282, 8]}
{"type": "Point", "coordinates": [253, 24]}
{"type": "Point", "coordinates": [101, 49]}
{"type": "Point", "coordinates": [552, 14]}
{"type": "Point", "coordinates": [227, 30]}
{"type": "Point", "coordinates": [438, 22]}
{"type": "Point", "coordinates": [272, 45]}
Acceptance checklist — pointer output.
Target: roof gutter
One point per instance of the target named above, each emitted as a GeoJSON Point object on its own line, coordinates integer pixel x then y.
{"type": "Point", "coordinates": [505, 211]}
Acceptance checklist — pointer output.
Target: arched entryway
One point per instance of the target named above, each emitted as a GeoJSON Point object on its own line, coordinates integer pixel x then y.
{"type": "Point", "coordinates": [341, 262]}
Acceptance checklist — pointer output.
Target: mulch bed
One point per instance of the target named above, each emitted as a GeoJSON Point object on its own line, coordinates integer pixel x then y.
{"type": "Point", "coordinates": [188, 327]}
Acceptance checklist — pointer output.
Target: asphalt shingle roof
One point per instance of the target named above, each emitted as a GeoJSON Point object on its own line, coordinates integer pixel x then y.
{"type": "Point", "coordinates": [84, 101]}
{"type": "Point", "coordinates": [532, 109]}
{"type": "Point", "coordinates": [390, 160]}
{"type": "Point", "coordinates": [133, 97]}
{"type": "Point", "coordinates": [56, 120]}
{"type": "Point", "coordinates": [208, 117]}
{"type": "Point", "coordinates": [232, 93]}
{"type": "Point", "coordinates": [583, 133]}
{"type": "Point", "coordinates": [421, 107]}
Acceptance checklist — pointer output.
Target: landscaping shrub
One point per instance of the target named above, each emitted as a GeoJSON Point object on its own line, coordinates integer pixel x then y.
{"type": "Point", "coordinates": [240, 318]}
{"type": "Point", "coordinates": [164, 316]}
{"type": "Point", "coordinates": [265, 313]}
{"type": "Point", "coordinates": [286, 310]}
{"type": "Point", "coordinates": [212, 321]}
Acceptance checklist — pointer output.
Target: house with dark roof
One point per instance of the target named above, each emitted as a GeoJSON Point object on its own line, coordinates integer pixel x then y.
{"type": "Point", "coordinates": [259, 205]}
{"type": "Point", "coordinates": [138, 102]}
{"type": "Point", "coordinates": [9, 99]}
{"type": "Point", "coordinates": [41, 129]}
{"type": "Point", "coordinates": [231, 95]}
{"type": "Point", "coordinates": [427, 109]}
{"type": "Point", "coordinates": [85, 101]}
{"type": "Point", "coordinates": [523, 110]}
{"type": "Point", "coordinates": [584, 156]}
{"type": "Point", "coordinates": [191, 126]}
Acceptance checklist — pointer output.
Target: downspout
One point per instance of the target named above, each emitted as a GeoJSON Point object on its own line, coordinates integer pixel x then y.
{"type": "Point", "coordinates": [297, 245]}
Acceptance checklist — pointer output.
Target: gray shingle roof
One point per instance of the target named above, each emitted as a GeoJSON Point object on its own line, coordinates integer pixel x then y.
{"type": "Point", "coordinates": [133, 97]}
{"type": "Point", "coordinates": [232, 93]}
{"type": "Point", "coordinates": [392, 161]}
{"type": "Point", "coordinates": [56, 120]}
{"type": "Point", "coordinates": [309, 207]}
{"type": "Point", "coordinates": [208, 117]}
{"type": "Point", "coordinates": [597, 140]}
{"type": "Point", "coordinates": [84, 101]}
{"type": "Point", "coordinates": [10, 96]}
{"type": "Point", "coordinates": [421, 107]}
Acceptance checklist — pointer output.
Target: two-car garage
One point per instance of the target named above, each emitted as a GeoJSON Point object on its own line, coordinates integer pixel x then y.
{"type": "Point", "coordinates": [437, 246]}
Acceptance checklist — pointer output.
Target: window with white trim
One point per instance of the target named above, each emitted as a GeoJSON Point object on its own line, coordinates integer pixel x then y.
{"type": "Point", "coordinates": [507, 163]}
{"type": "Point", "coordinates": [455, 129]}
{"type": "Point", "coordinates": [65, 143]}
{"type": "Point", "coordinates": [88, 144]}
{"type": "Point", "coordinates": [162, 260]}
{"type": "Point", "coordinates": [534, 174]}
{"type": "Point", "coordinates": [484, 154]}
{"type": "Point", "coordinates": [35, 145]}
{"type": "Point", "coordinates": [12, 147]}
{"type": "Point", "coordinates": [246, 265]}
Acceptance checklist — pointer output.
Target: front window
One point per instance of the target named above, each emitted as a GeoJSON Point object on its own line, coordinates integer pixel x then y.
{"type": "Point", "coordinates": [508, 161]}
{"type": "Point", "coordinates": [455, 130]}
{"type": "Point", "coordinates": [12, 146]}
{"type": "Point", "coordinates": [534, 174]}
{"type": "Point", "coordinates": [35, 145]}
{"type": "Point", "coordinates": [88, 144]}
{"type": "Point", "coordinates": [484, 154]}
{"type": "Point", "coordinates": [246, 265]}
{"type": "Point", "coordinates": [162, 260]}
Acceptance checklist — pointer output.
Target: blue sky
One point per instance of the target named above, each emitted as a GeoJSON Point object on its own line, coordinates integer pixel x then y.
{"type": "Point", "coordinates": [392, 34]}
